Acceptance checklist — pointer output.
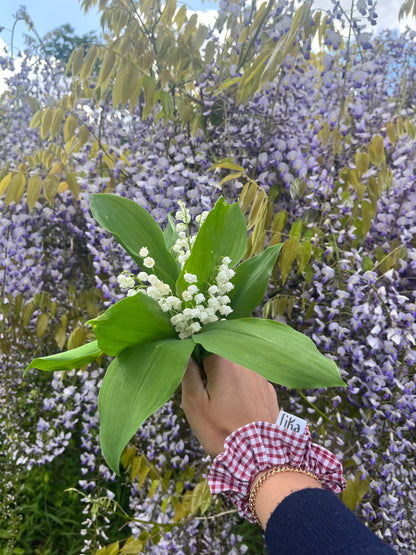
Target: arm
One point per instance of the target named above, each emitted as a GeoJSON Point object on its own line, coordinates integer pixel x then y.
{"type": "Point", "coordinates": [297, 514]}
{"type": "Point", "coordinates": [232, 397]}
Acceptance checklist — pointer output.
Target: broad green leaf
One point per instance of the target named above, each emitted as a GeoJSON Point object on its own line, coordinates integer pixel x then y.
{"type": "Point", "coordinates": [250, 282]}
{"type": "Point", "coordinates": [67, 360]}
{"type": "Point", "coordinates": [134, 227]}
{"type": "Point", "coordinates": [170, 233]}
{"type": "Point", "coordinates": [224, 233]}
{"type": "Point", "coordinates": [138, 382]}
{"type": "Point", "coordinates": [132, 321]}
{"type": "Point", "coordinates": [273, 350]}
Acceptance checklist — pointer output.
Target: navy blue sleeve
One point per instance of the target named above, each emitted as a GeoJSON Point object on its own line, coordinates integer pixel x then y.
{"type": "Point", "coordinates": [316, 522]}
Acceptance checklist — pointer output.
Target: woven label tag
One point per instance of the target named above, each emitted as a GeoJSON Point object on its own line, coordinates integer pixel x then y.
{"type": "Point", "coordinates": [292, 423]}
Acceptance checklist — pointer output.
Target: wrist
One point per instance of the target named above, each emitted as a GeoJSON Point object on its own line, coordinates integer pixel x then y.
{"type": "Point", "coordinates": [259, 446]}
{"type": "Point", "coordinates": [270, 487]}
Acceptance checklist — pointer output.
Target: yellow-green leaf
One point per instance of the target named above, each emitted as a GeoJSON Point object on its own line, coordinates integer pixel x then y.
{"type": "Point", "coordinates": [149, 86]}
{"type": "Point", "coordinates": [42, 324]}
{"type": "Point", "coordinates": [46, 121]}
{"type": "Point", "coordinates": [288, 255]}
{"type": "Point", "coordinates": [50, 187]}
{"type": "Point", "coordinates": [16, 189]}
{"type": "Point", "coordinates": [36, 119]}
{"type": "Point", "coordinates": [77, 338]}
{"type": "Point", "coordinates": [34, 188]}
{"type": "Point", "coordinates": [209, 51]}
{"type": "Point", "coordinates": [153, 488]}
{"type": "Point", "coordinates": [132, 548]}
{"type": "Point", "coordinates": [355, 490]}
{"type": "Point", "coordinates": [106, 68]}
{"type": "Point", "coordinates": [362, 161]}
{"type": "Point", "coordinates": [366, 216]}
{"type": "Point", "coordinates": [391, 134]}
{"type": "Point", "coordinates": [73, 184]}
{"type": "Point", "coordinates": [69, 127]}
{"type": "Point", "coordinates": [376, 150]}
{"type": "Point", "coordinates": [27, 313]}
{"type": "Point", "coordinates": [60, 337]}
{"type": "Point", "coordinates": [168, 12]}
{"type": "Point", "coordinates": [200, 36]}
{"type": "Point", "coordinates": [180, 17]}
{"type": "Point", "coordinates": [89, 62]}
{"type": "Point", "coordinates": [4, 183]}
{"type": "Point", "coordinates": [77, 61]}
{"type": "Point", "coordinates": [305, 253]}
{"type": "Point", "coordinates": [112, 549]}
{"type": "Point", "coordinates": [57, 118]}
{"type": "Point", "coordinates": [227, 165]}
{"type": "Point", "coordinates": [83, 134]}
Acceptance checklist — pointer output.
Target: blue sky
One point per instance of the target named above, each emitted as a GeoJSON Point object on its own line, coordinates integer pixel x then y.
{"type": "Point", "coordinates": [50, 14]}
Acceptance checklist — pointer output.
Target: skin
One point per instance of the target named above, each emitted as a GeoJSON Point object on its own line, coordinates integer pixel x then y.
{"type": "Point", "coordinates": [231, 397]}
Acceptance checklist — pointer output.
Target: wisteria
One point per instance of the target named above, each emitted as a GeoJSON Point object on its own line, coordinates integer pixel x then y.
{"type": "Point", "coordinates": [354, 296]}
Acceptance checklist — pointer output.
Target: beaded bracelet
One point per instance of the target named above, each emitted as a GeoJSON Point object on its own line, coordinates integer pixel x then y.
{"type": "Point", "coordinates": [271, 472]}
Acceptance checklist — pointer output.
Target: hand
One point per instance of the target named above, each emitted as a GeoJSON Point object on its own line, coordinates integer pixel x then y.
{"type": "Point", "coordinates": [232, 397]}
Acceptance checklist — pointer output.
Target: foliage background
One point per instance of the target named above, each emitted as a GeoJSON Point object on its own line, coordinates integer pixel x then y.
{"type": "Point", "coordinates": [319, 147]}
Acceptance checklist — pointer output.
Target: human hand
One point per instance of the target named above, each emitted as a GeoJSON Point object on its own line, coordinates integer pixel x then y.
{"type": "Point", "coordinates": [232, 397]}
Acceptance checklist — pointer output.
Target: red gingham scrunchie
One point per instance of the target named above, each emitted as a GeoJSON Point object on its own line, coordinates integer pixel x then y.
{"type": "Point", "coordinates": [259, 446]}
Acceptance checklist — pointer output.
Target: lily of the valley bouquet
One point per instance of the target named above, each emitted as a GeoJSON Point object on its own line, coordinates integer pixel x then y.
{"type": "Point", "coordinates": [192, 296]}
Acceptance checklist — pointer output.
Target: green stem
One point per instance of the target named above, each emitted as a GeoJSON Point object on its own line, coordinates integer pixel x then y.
{"type": "Point", "coordinates": [324, 416]}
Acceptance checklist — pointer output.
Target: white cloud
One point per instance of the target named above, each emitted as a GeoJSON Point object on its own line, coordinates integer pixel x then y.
{"type": "Point", "coordinates": [207, 18]}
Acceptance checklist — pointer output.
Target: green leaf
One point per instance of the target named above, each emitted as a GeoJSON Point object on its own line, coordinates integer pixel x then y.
{"type": "Point", "coordinates": [75, 358]}
{"type": "Point", "coordinates": [137, 383]}
{"type": "Point", "coordinates": [273, 350]}
{"type": "Point", "coordinates": [250, 282]}
{"type": "Point", "coordinates": [224, 233]}
{"type": "Point", "coordinates": [132, 321]}
{"type": "Point", "coordinates": [170, 233]}
{"type": "Point", "coordinates": [134, 227]}
{"type": "Point", "coordinates": [355, 490]}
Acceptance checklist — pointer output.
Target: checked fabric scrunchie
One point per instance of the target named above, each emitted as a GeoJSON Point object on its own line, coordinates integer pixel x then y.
{"type": "Point", "coordinates": [259, 446]}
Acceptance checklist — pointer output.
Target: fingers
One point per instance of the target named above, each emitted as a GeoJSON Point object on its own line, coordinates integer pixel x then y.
{"type": "Point", "coordinates": [192, 381]}
{"type": "Point", "coordinates": [229, 375]}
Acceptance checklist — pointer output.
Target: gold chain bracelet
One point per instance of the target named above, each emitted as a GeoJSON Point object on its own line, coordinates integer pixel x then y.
{"type": "Point", "coordinates": [271, 472]}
